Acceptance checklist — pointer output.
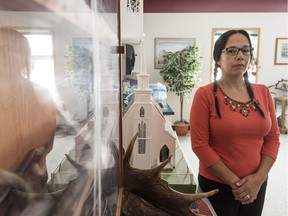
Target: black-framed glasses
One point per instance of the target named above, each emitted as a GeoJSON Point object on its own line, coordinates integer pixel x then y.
{"type": "Point", "coordinates": [233, 51]}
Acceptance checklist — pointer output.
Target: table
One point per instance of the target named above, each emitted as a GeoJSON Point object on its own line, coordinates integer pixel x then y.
{"type": "Point", "coordinates": [283, 101]}
{"type": "Point", "coordinates": [166, 109]}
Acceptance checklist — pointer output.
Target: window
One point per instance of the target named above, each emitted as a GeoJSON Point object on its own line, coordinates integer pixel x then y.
{"type": "Point", "coordinates": [164, 153]}
{"type": "Point", "coordinates": [254, 36]}
{"type": "Point", "coordinates": [141, 138]}
{"type": "Point", "coordinates": [142, 112]}
{"type": "Point", "coordinates": [42, 61]}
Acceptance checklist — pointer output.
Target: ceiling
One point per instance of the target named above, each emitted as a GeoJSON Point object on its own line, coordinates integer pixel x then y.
{"type": "Point", "coordinates": [19, 5]}
{"type": "Point", "coordinates": [43, 5]}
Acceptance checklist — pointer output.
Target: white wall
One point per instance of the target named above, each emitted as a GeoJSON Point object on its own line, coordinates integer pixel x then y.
{"type": "Point", "coordinates": [199, 26]}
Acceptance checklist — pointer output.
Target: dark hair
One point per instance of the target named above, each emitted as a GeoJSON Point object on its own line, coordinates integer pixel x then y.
{"type": "Point", "coordinates": [218, 47]}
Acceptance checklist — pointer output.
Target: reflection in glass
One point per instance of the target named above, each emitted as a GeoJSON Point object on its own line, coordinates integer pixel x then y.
{"type": "Point", "coordinates": [77, 168]}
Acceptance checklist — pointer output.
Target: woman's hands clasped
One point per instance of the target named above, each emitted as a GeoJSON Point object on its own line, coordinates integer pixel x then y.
{"type": "Point", "coordinates": [247, 188]}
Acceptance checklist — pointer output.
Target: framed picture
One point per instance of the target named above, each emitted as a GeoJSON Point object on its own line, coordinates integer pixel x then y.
{"type": "Point", "coordinates": [85, 43]}
{"type": "Point", "coordinates": [164, 45]}
{"type": "Point", "coordinates": [281, 51]}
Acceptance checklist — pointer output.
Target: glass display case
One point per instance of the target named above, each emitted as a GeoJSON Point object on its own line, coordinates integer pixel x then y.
{"type": "Point", "coordinates": [59, 108]}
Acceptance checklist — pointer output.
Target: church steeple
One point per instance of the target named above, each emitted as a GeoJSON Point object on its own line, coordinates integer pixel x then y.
{"type": "Point", "coordinates": [143, 92]}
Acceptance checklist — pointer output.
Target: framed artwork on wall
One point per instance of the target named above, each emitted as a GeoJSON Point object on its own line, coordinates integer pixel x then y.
{"type": "Point", "coordinates": [165, 45]}
{"type": "Point", "coordinates": [281, 51]}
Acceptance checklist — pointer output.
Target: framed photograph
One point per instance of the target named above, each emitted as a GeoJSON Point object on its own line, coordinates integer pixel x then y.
{"type": "Point", "coordinates": [84, 43]}
{"type": "Point", "coordinates": [164, 45]}
{"type": "Point", "coordinates": [281, 51]}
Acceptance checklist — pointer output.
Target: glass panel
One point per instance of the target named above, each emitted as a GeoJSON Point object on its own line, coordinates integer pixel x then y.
{"type": "Point", "coordinates": [62, 145]}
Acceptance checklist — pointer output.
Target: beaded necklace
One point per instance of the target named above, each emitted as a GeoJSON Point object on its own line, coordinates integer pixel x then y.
{"type": "Point", "coordinates": [244, 108]}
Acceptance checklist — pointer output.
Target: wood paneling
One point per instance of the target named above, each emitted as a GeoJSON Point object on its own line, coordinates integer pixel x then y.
{"type": "Point", "coordinates": [202, 6]}
{"type": "Point", "coordinates": [167, 6]}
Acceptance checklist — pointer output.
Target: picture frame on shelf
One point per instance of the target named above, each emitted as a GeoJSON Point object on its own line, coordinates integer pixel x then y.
{"type": "Point", "coordinates": [164, 45]}
{"type": "Point", "coordinates": [281, 51]}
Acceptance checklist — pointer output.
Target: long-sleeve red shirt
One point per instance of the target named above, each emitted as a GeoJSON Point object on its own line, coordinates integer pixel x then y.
{"type": "Point", "coordinates": [239, 141]}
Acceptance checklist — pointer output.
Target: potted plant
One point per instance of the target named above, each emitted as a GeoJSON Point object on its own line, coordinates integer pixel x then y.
{"type": "Point", "coordinates": [180, 74]}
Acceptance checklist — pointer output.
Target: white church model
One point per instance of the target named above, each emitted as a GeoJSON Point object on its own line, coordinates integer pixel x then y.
{"type": "Point", "coordinates": [156, 139]}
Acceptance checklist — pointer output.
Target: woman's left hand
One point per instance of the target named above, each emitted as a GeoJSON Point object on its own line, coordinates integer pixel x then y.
{"type": "Point", "coordinates": [247, 189]}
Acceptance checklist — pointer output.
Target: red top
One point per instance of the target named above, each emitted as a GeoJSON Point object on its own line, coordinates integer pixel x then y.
{"type": "Point", "coordinates": [238, 140]}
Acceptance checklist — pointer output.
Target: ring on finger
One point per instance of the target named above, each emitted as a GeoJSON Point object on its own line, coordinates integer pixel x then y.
{"type": "Point", "coordinates": [248, 196]}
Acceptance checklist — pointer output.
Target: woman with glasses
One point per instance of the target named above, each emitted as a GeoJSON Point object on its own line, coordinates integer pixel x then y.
{"type": "Point", "coordinates": [234, 131]}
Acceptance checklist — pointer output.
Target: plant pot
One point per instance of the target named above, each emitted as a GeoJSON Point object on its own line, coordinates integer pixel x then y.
{"type": "Point", "coordinates": [181, 129]}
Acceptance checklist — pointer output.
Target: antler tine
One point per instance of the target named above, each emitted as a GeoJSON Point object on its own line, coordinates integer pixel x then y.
{"type": "Point", "coordinates": [149, 185]}
{"type": "Point", "coordinates": [198, 196]}
{"type": "Point", "coordinates": [129, 150]}
{"type": "Point", "coordinates": [158, 169]}
{"type": "Point", "coordinates": [14, 180]}
{"type": "Point", "coordinates": [78, 166]}
{"type": "Point", "coordinates": [114, 150]}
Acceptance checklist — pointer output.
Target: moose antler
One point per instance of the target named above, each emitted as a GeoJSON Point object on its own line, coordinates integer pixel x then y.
{"type": "Point", "coordinates": [148, 185]}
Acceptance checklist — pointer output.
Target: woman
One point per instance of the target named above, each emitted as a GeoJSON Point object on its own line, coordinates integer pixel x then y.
{"type": "Point", "coordinates": [27, 111]}
{"type": "Point", "coordinates": [234, 131]}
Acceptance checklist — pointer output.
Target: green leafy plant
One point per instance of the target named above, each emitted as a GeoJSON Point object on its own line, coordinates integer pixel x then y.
{"type": "Point", "coordinates": [79, 66]}
{"type": "Point", "coordinates": [181, 73]}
